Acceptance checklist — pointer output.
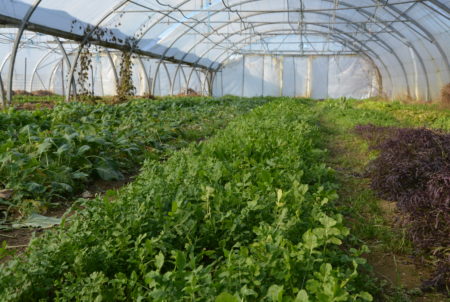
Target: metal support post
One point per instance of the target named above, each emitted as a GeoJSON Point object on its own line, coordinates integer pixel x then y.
{"type": "Point", "coordinates": [15, 47]}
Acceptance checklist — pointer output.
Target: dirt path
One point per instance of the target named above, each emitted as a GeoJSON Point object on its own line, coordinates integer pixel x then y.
{"type": "Point", "coordinates": [374, 221]}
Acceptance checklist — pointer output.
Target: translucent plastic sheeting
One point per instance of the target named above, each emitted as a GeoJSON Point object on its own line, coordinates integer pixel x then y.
{"type": "Point", "coordinates": [301, 76]}
{"type": "Point", "coordinates": [41, 66]}
{"type": "Point", "coordinates": [351, 77]}
{"type": "Point", "coordinates": [295, 75]}
{"type": "Point", "coordinates": [407, 40]}
{"type": "Point", "coordinates": [253, 82]}
{"type": "Point", "coordinates": [318, 75]}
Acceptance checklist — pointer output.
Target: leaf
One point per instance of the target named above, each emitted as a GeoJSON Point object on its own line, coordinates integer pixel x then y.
{"type": "Point", "coordinates": [62, 149]}
{"type": "Point", "coordinates": [302, 296]}
{"type": "Point", "coordinates": [335, 240]}
{"type": "Point", "coordinates": [365, 296]}
{"type": "Point", "coordinates": [35, 188]}
{"type": "Point", "coordinates": [159, 260]}
{"type": "Point", "coordinates": [79, 175]}
{"type": "Point", "coordinates": [180, 260]}
{"type": "Point", "coordinates": [38, 221]}
{"type": "Point", "coordinates": [60, 186]}
{"type": "Point", "coordinates": [279, 194]}
{"type": "Point", "coordinates": [310, 240]}
{"type": "Point", "coordinates": [45, 146]}
{"type": "Point", "coordinates": [70, 137]}
{"type": "Point", "coordinates": [245, 291]}
{"type": "Point", "coordinates": [275, 293]}
{"type": "Point", "coordinates": [327, 222]}
{"type": "Point", "coordinates": [226, 297]}
{"type": "Point", "coordinates": [83, 149]}
{"type": "Point", "coordinates": [108, 173]}
{"type": "Point", "coordinates": [326, 269]}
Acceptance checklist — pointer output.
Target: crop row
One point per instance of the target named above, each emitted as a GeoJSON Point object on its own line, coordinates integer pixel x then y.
{"type": "Point", "coordinates": [245, 216]}
{"type": "Point", "coordinates": [403, 151]}
{"type": "Point", "coordinates": [46, 155]}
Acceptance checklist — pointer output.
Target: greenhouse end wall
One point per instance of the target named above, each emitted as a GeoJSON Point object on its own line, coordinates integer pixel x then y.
{"type": "Point", "coordinates": [318, 77]}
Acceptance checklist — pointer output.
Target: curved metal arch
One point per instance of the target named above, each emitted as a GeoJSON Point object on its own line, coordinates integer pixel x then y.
{"type": "Point", "coordinates": [320, 13]}
{"type": "Point", "coordinates": [434, 42]}
{"type": "Point", "coordinates": [174, 79]}
{"type": "Point", "coordinates": [343, 41]}
{"type": "Point", "coordinates": [190, 77]}
{"type": "Point", "coordinates": [37, 65]}
{"type": "Point", "coordinates": [367, 14]}
{"type": "Point", "coordinates": [15, 47]}
{"type": "Point", "coordinates": [179, 67]}
{"type": "Point", "coordinates": [2, 92]}
{"type": "Point", "coordinates": [4, 62]}
{"type": "Point", "coordinates": [392, 6]}
{"type": "Point", "coordinates": [176, 9]}
{"type": "Point", "coordinates": [4, 100]}
{"type": "Point", "coordinates": [209, 79]}
{"type": "Point", "coordinates": [113, 66]}
{"type": "Point", "coordinates": [247, 16]}
{"type": "Point", "coordinates": [405, 41]}
{"type": "Point", "coordinates": [213, 79]}
{"type": "Point", "coordinates": [184, 76]}
{"type": "Point", "coordinates": [441, 6]}
{"type": "Point", "coordinates": [156, 22]}
{"type": "Point", "coordinates": [185, 32]}
{"type": "Point", "coordinates": [101, 20]}
{"type": "Point", "coordinates": [66, 58]}
{"type": "Point", "coordinates": [147, 79]}
{"type": "Point", "coordinates": [163, 55]}
{"type": "Point", "coordinates": [422, 28]}
{"type": "Point", "coordinates": [155, 78]}
{"type": "Point", "coordinates": [203, 83]}
{"type": "Point", "coordinates": [168, 74]}
{"type": "Point", "coordinates": [52, 74]}
{"type": "Point", "coordinates": [360, 10]}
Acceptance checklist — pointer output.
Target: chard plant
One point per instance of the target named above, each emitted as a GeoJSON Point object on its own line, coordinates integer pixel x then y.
{"type": "Point", "coordinates": [49, 156]}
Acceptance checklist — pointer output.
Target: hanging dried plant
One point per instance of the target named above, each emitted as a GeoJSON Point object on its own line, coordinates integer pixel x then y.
{"type": "Point", "coordinates": [84, 67]}
{"type": "Point", "coordinates": [125, 87]}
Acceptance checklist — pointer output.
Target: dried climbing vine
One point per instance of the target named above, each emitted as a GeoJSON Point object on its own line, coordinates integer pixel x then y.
{"type": "Point", "coordinates": [85, 65]}
{"type": "Point", "coordinates": [125, 87]}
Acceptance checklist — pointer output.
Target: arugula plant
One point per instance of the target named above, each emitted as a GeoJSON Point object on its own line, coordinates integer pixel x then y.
{"type": "Point", "coordinates": [245, 216]}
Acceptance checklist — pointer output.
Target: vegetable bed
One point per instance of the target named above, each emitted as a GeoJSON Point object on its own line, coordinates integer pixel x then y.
{"type": "Point", "coordinates": [50, 155]}
{"type": "Point", "coordinates": [247, 215]}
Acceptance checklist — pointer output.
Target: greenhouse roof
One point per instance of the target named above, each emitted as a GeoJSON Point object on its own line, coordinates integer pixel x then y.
{"type": "Point", "coordinates": [408, 40]}
{"type": "Point", "coordinates": [206, 33]}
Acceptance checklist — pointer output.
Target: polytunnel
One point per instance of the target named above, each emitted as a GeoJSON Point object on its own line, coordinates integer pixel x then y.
{"type": "Point", "coordinates": [224, 150]}
{"type": "Point", "coordinates": [319, 49]}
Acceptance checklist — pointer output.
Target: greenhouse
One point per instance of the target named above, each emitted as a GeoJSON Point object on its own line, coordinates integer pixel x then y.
{"type": "Point", "coordinates": [225, 150]}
